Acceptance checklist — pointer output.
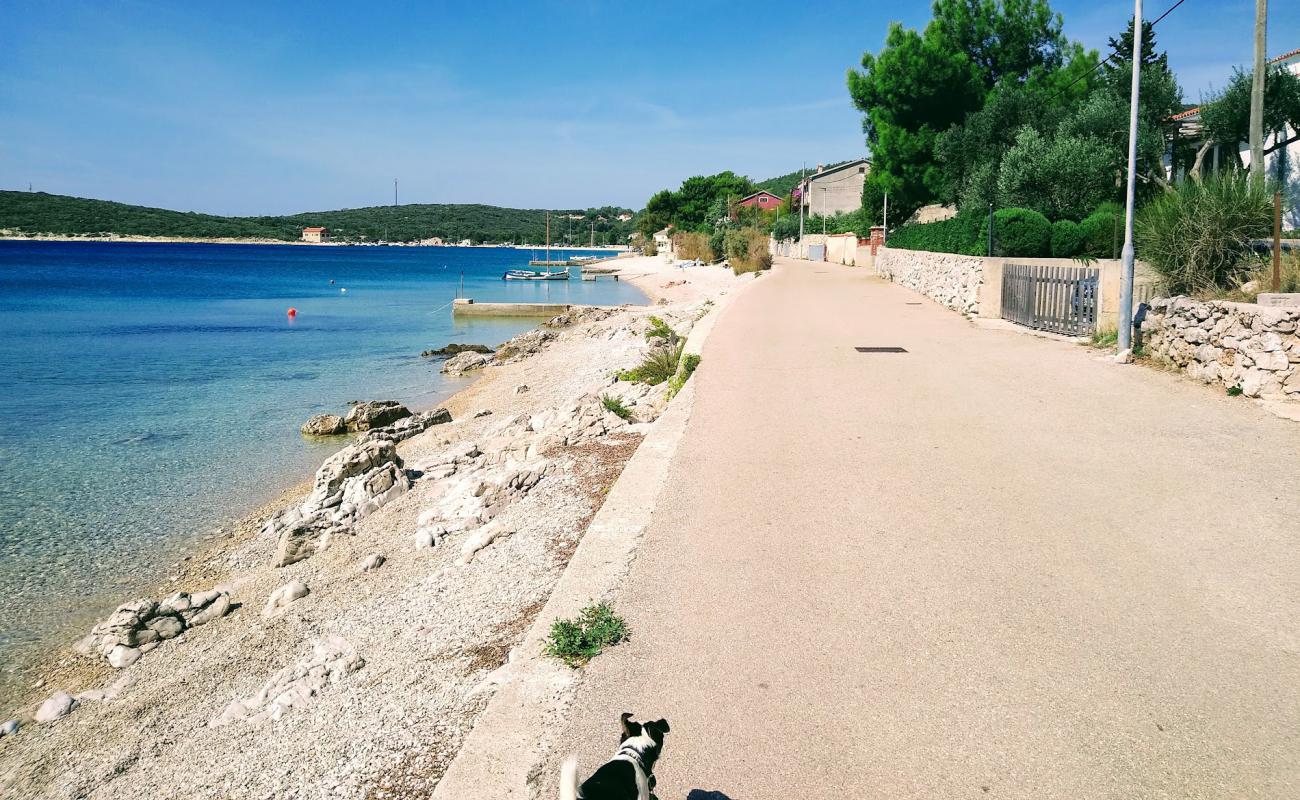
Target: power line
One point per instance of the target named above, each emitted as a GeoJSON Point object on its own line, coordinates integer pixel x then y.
{"type": "Point", "coordinates": [1108, 58]}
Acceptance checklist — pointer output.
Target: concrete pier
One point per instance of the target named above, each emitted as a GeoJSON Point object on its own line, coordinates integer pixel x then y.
{"type": "Point", "coordinates": [466, 307]}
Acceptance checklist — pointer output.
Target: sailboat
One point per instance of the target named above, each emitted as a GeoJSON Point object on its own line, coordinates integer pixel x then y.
{"type": "Point", "coordinates": [536, 274]}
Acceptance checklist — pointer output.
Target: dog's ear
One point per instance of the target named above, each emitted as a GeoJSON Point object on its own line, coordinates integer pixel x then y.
{"type": "Point", "coordinates": [630, 728]}
{"type": "Point", "coordinates": [657, 729]}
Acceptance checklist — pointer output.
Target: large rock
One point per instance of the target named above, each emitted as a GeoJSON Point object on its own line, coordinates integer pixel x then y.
{"type": "Point", "coordinates": [9, 728]}
{"type": "Point", "coordinates": [286, 595]}
{"type": "Point", "coordinates": [351, 462]}
{"type": "Point", "coordinates": [136, 627]}
{"type": "Point", "coordinates": [305, 538]}
{"type": "Point", "coordinates": [456, 349]}
{"type": "Point", "coordinates": [56, 707]}
{"type": "Point", "coordinates": [351, 484]}
{"type": "Point", "coordinates": [404, 429]}
{"type": "Point", "coordinates": [464, 362]}
{"type": "Point", "coordinates": [324, 425]}
{"type": "Point", "coordinates": [524, 345]}
{"type": "Point", "coordinates": [375, 414]}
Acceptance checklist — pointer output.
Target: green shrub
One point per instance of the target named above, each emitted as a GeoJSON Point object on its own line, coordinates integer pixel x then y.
{"type": "Point", "coordinates": [718, 242]}
{"type": "Point", "coordinates": [577, 641]}
{"type": "Point", "coordinates": [747, 250]}
{"type": "Point", "coordinates": [1062, 176]}
{"type": "Point", "coordinates": [1019, 232]}
{"type": "Point", "coordinates": [960, 234]}
{"type": "Point", "coordinates": [1198, 237]}
{"type": "Point", "coordinates": [659, 366]}
{"type": "Point", "coordinates": [1102, 231]}
{"type": "Point", "coordinates": [660, 330]}
{"type": "Point", "coordinates": [615, 406]}
{"type": "Point", "coordinates": [1067, 241]}
{"type": "Point", "coordinates": [684, 371]}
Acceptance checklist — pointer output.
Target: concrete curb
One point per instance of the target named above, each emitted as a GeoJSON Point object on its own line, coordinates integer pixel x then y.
{"type": "Point", "coordinates": [512, 737]}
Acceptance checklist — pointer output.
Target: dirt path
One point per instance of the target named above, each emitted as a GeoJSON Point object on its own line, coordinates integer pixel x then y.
{"type": "Point", "coordinates": [993, 565]}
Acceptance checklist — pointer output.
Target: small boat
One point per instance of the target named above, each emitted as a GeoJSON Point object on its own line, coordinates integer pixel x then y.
{"type": "Point", "coordinates": [535, 275]}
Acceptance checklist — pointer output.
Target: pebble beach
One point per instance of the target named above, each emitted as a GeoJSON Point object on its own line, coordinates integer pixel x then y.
{"type": "Point", "coordinates": [340, 641]}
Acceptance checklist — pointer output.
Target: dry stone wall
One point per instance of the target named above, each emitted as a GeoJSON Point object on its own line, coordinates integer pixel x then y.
{"type": "Point", "coordinates": [1234, 344]}
{"type": "Point", "coordinates": [947, 278]}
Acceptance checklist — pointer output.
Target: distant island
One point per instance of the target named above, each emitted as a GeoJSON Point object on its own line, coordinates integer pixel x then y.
{"type": "Point", "coordinates": [33, 214]}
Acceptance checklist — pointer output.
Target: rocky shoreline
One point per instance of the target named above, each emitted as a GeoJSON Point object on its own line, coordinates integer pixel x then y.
{"type": "Point", "coordinates": [342, 643]}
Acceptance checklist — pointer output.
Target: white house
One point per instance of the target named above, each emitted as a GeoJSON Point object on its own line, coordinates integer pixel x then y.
{"type": "Point", "coordinates": [664, 241]}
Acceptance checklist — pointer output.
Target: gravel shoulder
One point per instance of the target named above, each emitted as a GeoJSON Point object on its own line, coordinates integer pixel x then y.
{"type": "Point", "coordinates": [366, 686]}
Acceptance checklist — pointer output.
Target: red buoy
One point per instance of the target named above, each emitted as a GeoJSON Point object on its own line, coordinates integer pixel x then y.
{"type": "Point", "coordinates": [293, 312]}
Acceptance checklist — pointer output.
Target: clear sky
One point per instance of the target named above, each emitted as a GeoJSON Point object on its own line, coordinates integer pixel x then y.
{"type": "Point", "coordinates": [255, 107]}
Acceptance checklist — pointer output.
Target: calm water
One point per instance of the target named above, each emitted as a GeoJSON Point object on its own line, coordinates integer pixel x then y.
{"type": "Point", "coordinates": [154, 391]}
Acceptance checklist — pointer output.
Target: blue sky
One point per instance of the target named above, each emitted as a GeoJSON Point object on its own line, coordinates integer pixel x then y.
{"type": "Point", "coordinates": [246, 108]}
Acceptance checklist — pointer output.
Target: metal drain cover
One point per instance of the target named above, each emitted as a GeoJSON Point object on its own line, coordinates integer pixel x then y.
{"type": "Point", "coordinates": [880, 349]}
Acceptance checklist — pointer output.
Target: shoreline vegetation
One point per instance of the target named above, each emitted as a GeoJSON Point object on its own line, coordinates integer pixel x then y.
{"type": "Point", "coordinates": [409, 570]}
{"type": "Point", "coordinates": [51, 216]}
{"type": "Point", "coordinates": [131, 239]}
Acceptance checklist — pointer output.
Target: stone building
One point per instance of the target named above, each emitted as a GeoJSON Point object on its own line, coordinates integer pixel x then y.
{"type": "Point", "coordinates": [834, 190]}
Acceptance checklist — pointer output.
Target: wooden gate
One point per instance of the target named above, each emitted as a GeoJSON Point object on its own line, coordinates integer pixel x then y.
{"type": "Point", "coordinates": [1057, 299]}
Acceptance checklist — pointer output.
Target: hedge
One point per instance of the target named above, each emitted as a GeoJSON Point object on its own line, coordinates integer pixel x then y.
{"type": "Point", "coordinates": [960, 234]}
{"type": "Point", "coordinates": [1102, 231]}
{"type": "Point", "coordinates": [1019, 232]}
{"type": "Point", "coordinates": [1067, 241]}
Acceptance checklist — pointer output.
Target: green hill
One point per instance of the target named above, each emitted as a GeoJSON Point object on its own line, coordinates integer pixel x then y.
{"type": "Point", "coordinates": [38, 212]}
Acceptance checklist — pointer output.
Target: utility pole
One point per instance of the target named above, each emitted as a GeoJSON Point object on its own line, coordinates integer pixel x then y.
{"type": "Point", "coordinates": [990, 253]}
{"type": "Point", "coordinates": [1257, 92]}
{"type": "Point", "coordinates": [802, 192]}
{"type": "Point", "coordinates": [1126, 276]}
{"type": "Point", "coordinates": [1277, 241]}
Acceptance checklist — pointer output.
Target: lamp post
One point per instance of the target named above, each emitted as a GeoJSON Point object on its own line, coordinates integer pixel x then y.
{"type": "Point", "coordinates": [1126, 277]}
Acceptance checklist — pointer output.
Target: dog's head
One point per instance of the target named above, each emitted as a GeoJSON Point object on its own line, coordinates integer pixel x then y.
{"type": "Point", "coordinates": [646, 738]}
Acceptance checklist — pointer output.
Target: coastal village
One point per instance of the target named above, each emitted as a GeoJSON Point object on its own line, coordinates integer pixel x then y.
{"type": "Point", "coordinates": [964, 465]}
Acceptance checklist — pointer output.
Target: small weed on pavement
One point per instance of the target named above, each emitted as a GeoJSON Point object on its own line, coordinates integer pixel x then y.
{"type": "Point", "coordinates": [577, 641]}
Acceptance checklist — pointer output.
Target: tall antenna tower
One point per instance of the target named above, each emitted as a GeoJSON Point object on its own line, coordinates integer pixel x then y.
{"type": "Point", "coordinates": [394, 191]}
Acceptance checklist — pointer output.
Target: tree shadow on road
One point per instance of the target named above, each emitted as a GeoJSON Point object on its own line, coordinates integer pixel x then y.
{"type": "Point", "coordinates": [702, 794]}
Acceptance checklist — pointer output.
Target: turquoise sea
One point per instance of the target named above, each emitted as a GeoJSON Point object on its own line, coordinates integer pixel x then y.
{"type": "Point", "coordinates": [154, 391]}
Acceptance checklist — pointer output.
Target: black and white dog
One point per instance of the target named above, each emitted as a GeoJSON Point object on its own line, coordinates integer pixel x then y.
{"type": "Point", "coordinates": [629, 775]}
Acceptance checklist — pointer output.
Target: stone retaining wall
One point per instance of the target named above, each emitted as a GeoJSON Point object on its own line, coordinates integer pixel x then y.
{"type": "Point", "coordinates": [947, 278]}
{"type": "Point", "coordinates": [1232, 344]}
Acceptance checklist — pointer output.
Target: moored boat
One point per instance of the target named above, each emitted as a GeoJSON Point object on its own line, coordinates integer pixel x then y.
{"type": "Point", "coordinates": [535, 275]}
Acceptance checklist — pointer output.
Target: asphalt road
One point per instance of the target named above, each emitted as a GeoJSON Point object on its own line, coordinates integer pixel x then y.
{"type": "Point", "coordinates": [992, 566]}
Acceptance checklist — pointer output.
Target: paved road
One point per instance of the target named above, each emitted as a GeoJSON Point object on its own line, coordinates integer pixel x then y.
{"type": "Point", "coordinates": [994, 566]}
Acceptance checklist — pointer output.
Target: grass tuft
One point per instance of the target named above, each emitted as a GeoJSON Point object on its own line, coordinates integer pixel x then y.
{"type": "Point", "coordinates": [659, 365]}
{"type": "Point", "coordinates": [1105, 339]}
{"type": "Point", "coordinates": [660, 330]}
{"type": "Point", "coordinates": [615, 405]}
{"type": "Point", "coordinates": [689, 362]}
{"type": "Point", "coordinates": [577, 641]}
{"type": "Point", "coordinates": [1234, 391]}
